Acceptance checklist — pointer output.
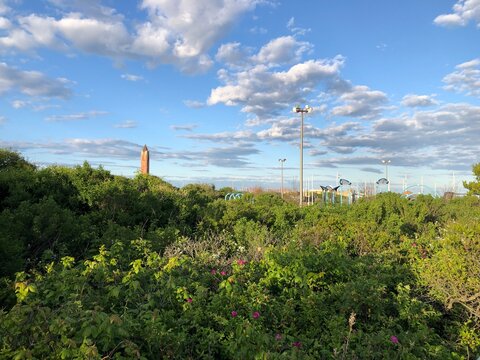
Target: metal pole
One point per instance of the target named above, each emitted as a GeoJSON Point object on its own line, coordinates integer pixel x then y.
{"type": "Point", "coordinates": [297, 109]}
{"type": "Point", "coordinates": [301, 162]}
{"type": "Point", "coordinates": [282, 161]}
{"type": "Point", "coordinates": [282, 180]}
{"type": "Point", "coordinates": [386, 162]}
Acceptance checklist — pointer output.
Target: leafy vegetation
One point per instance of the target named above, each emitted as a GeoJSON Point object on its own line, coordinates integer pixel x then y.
{"type": "Point", "coordinates": [97, 266]}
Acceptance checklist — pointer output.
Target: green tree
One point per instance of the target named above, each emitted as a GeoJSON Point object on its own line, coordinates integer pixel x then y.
{"type": "Point", "coordinates": [474, 186]}
{"type": "Point", "coordinates": [11, 159]}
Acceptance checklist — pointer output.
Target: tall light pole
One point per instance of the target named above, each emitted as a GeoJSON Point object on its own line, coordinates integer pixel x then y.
{"type": "Point", "coordinates": [281, 162]}
{"type": "Point", "coordinates": [386, 162]}
{"type": "Point", "coordinates": [298, 109]}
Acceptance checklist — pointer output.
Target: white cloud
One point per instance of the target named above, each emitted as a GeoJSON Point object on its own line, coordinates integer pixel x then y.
{"type": "Point", "coordinates": [295, 29]}
{"type": "Point", "coordinates": [76, 117]}
{"type": "Point", "coordinates": [128, 124]}
{"type": "Point", "coordinates": [440, 138]}
{"type": "Point", "coordinates": [3, 120]}
{"type": "Point", "coordinates": [233, 54]}
{"type": "Point", "coordinates": [195, 25]}
{"type": "Point", "coordinates": [264, 92]}
{"type": "Point", "coordinates": [96, 148]}
{"type": "Point", "coordinates": [413, 100]}
{"type": "Point", "coordinates": [465, 78]}
{"type": "Point", "coordinates": [3, 7]}
{"type": "Point", "coordinates": [36, 105]}
{"type": "Point", "coordinates": [282, 50]}
{"type": "Point", "coordinates": [131, 77]}
{"type": "Point", "coordinates": [283, 130]}
{"type": "Point", "coordinates": [444, 137]}
{"type": "Point", "coordinates": [183, 31]}
{"type": "Point", "coordinates": [232, 156]}
{"type": "Point", "coordinates": [464, 11]}
{"type": "Point", "coordinates": [18, 104]}
{"type": "Point", "coordinates": [175, 32]}
{"type": "Point", "coordinates": [4, 23]}
{"type": "Point", "coordinates": [32, 83]}
{"type": "Point", "coordinates": [361, 102]}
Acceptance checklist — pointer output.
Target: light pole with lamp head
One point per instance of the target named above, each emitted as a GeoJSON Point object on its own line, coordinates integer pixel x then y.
{"type": "Point", "coordinates": [282, 161]}
{"type": "Point", "coordinates": [298, 109]}
{"type": "Point", "coordinates": [386, 162]}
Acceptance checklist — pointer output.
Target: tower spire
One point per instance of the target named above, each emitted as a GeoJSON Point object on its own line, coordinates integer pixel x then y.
{"type": "Point", "coordinates": [145, 160]}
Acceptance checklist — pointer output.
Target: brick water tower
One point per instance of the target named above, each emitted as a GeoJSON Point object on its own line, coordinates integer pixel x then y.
{"type": "Point", "coordinates": [145, 161]}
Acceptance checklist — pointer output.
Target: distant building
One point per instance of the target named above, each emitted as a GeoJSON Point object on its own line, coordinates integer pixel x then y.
{"type": "Point", "coordinates": [145, 161]}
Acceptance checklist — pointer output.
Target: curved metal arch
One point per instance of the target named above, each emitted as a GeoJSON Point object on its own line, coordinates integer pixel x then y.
{"type": "Point", "coordinates": [233, 196]}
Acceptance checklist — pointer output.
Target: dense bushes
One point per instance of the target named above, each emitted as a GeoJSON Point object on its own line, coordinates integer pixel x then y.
{"type": "Point", "coordinates": [306, 302]}
{"type": "Point", "coordinates": [208, 278]}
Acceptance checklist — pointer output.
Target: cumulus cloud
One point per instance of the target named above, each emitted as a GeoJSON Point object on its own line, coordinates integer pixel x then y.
{"type": "Point", "coordinates": [465, 78]}
{"type": "Point", "coordinates": [283, 130]}
{"type": "Point", "coordinates": [263, 91]}
{"type": "Point", "coordinates": [443, 137]}
{"type": "Point", "coordinates": [32, 83]}
{"type": "Point", "coordinates": [464, 12]}
{"type": "Point", "coordinates": [265, 83]}
{"type": "Point", "coordinates": [174, 32]}
{"type": "Point", "coordinates": [3, 7]}
{"type": "Point", "coordinates": [282, 50]}
{"type": "Point", "coordinates": [361, 102]}
{"type": "Point", "coordinates": [233, 54]}
{"type": "Point", "coordinates": [195, 25]}
{"type": "Point", "coordinates": [4, 23]}
{"type": "Point", "coordinates": [76, 117]}
{"type": "Point", "coordinates": [412, 100]}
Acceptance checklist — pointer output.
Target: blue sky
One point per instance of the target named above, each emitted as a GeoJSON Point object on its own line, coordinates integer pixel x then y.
{"type": "Point", "coordinates": [209, 86]}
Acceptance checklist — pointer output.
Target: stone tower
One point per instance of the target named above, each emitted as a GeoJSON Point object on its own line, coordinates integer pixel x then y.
{"type": "Point", "coordinates": [145, 161]}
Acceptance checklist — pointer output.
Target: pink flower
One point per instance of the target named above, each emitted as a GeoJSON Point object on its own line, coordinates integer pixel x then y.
{"type": "Point", "coordinates": [189, 300]}
{"type": "Point", "coordinates": [223, 273]}
{"type": "Point", "coordinates": [234, 313]}
{"type": "Point", "coordinates": [394, 339]}
{"type": "Point", "coordinates": [241, 262]}
{"type": "Point", "coordinates": [256, 315]}
{"type": "Point", "coordinates": [213, 271]}
{"type": "Point", "coordinates": [297, 344]}
{"type": "Point", "coordinates": [414, 244]}
{"type": "Point", "coordinates": [278, 337]}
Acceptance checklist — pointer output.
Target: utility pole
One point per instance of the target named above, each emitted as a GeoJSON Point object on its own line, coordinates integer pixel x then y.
{"type": "Point", "coordinates": [386, 162]}
{"type": "Point", "coordinates": [298, 109]}
{"type": "Point", "coordinates": [281, 162]}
